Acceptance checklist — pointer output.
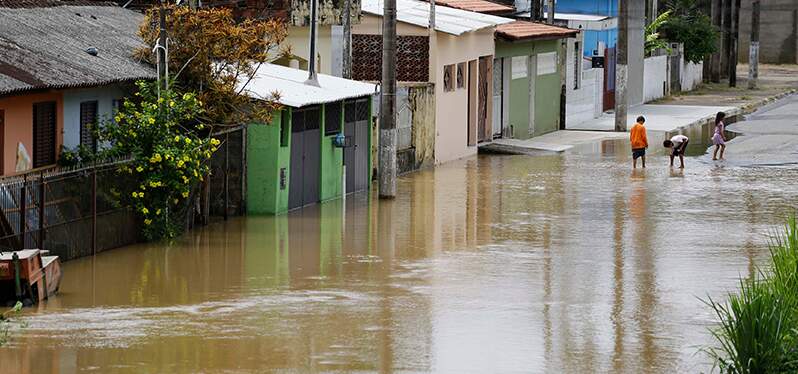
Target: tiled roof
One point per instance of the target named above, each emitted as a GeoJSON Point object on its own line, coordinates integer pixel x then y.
{"type": "Point", "coordinates": [525, 30]}
{"type": "Point", "coordinates": [479, 6]}
{"type": "Point", "coordinates": [43, 45]}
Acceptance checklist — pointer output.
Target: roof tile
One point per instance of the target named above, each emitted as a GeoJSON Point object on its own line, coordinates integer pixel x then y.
{"type": "Point", "coordinates": [525, 30]}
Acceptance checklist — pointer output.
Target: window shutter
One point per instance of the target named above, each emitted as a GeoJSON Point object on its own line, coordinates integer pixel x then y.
{"type": "Point", "coordinates": [44, 132]}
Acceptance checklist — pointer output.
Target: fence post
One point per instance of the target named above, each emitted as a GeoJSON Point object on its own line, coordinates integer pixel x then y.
{"type": "Point", "coordinates": [22, 210]}
{"type": "Point", "coordinates": [42, 203]}
{"type": "Point", "coordinates": [94, 210]}
{"type": "Point", "coordinates": [226, 171]}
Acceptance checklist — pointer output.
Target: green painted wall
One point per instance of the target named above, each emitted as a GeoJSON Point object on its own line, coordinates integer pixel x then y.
{"type": "Point", "coordinates": [265, 158]}
{"type": "Point", "coordinates": [332, 163]}
{"type": "Point", "coordinates": [547, 90]}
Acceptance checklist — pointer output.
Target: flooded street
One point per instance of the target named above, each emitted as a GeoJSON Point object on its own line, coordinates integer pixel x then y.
{"type": "Point", "coordinates": [568, 263]}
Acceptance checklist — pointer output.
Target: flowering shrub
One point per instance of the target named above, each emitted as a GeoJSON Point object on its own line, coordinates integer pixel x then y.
{"type": "Point", "coordinates": [169, 157]}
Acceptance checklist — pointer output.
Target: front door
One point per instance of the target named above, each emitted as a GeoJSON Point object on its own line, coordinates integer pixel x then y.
{"type": "Point", "coordinates": [485, 98]}
{"type": "Point", "coordinates": [609, 78]}
{"type": "Point", "coordinates": [498, 91]}
{"type": "Point", "coordinates": [356, 156]}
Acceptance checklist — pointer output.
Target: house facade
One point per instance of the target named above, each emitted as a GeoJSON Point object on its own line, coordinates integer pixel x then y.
{"type": "Point", "coordinates": [69, 66]}
{"type": "Point", "coordinates": [316, 148]}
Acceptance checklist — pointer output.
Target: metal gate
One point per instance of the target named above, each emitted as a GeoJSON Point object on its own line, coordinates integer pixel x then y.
{"type": "Point", "coordinates": [356, 155]}
{"type": "Point", "coordinates": [498, 91]}
{"type": "Point", "coordinates": [303, 188]}
{"type": "Point", "coordinates": [610, 59]}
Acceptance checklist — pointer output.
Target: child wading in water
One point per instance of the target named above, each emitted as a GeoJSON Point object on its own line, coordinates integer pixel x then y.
{"type": "Point", "coordinates": [637, 136]}
{"type": "Point", "coordinates": [677, 144]}
{"type": "Point", "coordinates": [719, 139]}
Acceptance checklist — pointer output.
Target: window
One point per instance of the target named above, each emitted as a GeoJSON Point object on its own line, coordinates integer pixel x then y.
{"type": "Point", "coordinates": [461, 75]}
{"type": "Point", "coordinates": [88, 119]}
{"type": "Point", "coordinates": [44, 132]}
{"type": "Point", "coordinates": [2, 138]}
{"type": "Point", "coordinates": [448, 78]}
{"type": "Point", "coordinates": [332, 118]}
{"type": "Point", "coordinates": [547, 63]}
{"type": "Point", "coordinates": [285, 127]}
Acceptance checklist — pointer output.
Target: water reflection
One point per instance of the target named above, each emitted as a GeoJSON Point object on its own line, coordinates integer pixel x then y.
{"type": "Point", "coordinates": [561, 263]}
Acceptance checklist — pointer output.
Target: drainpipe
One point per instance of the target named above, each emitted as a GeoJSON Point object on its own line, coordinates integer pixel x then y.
{"type": "Point", "coordinates": [312, 78]}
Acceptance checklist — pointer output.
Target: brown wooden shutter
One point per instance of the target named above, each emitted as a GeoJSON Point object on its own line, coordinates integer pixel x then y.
{"type": "Point", "coordinates": [44, 132]}
{"type": "Point", "coordinates": [88, 119]}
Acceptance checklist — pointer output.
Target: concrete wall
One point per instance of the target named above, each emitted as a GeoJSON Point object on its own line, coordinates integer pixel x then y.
{"type": "Point", "coordinates": [584, 104]}
{"type": "Point", "coordinates": [298, 40]}
{"type": "Point", "coordinates": [778, 33]}
{"type": "Point", "coordinates": [104, 96]}
{"type": "Point", "coordinates": [415, 126]}
{"type": "Point", "coordinates": [692, 75]}
{"type": "Point", "coordinates": [265, 158]}
{"type": "Point", "coordinates": [451, 114]}
{"type": "Point", "coordinates": [656, 78]}
{"type": "Point", "coordinates": [18, 126]}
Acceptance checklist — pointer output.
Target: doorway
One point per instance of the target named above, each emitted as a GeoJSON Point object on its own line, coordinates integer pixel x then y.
{"type": "Point", "coordinates": [356, 155]}
{"type": "Point", "coordinates": [303, 188]}
{"type": "Point", "coordinates": [609, 79]}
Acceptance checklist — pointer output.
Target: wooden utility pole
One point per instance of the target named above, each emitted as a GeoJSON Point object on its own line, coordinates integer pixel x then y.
{"type": "Point", "coordinates": [536, 11]}
{"type": "Point", "coordinates": [622, 66]}
{"type": "Point", "coordinates": [753, 51]}
{"type": "Point", "coordinates": [346, 20]}
{"type": "Point", "coordinates": [387, 157]}
{"type": "Point", "coordinates": [550, 12]}
{"type": "Point", "coordinates": [734, 38]}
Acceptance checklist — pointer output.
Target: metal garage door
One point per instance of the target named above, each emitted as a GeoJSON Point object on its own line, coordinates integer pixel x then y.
{"type": "Point", "coordinates": [305, 171]}
{"type": "Point", "coordinates": [356, 156]}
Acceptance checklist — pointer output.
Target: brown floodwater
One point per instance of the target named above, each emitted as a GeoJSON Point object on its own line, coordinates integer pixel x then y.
{"type": "Point", "coordinates": [566, 263]}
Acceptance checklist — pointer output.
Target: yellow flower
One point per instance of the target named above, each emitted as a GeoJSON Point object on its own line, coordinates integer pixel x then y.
{"type": "Point", "coordinates": [135, 194]}
{"type": "Point", "coordinates": [145, 210]}
{"type": "Point", "coordinates": [139, 169]}
{"type": "Point", "coordinates": [158, 212]}
{"type": "Point", "coordinates": [215, 141]}
{"type": "Point", "coordinates": [171, 104]}
{"type": "Point", "coordinates": [200, 126]}
{"type": "Point", "coordinates": [188, 140]}
{"type": "Point", "coordinates": [185, 194]}
{"type": "Point", "coordinates": [177, 138]}
{"type": "Point", "coordinates": [185, 180]}
{"type": "Point", "coordinates": [151, 121]}
{"type": "Point", "coordinates": [160, 100]}
{"type": "Point", "coordinates": [195, 173]}
{"type": "Point", "coordinates": [141, 194]}
{"type": "Point", "coordinates": [186, 96]}
{"type": "Point", "coordinates": [186, 158]}
{"type": "Point", "coordinates": [213, 149]}
{"type": "Point", "coordinates": [180, 163]}
{"type": "Point", "coordinates": [147, 221]}
{"type": "Point", "coordinates": [118, 119]}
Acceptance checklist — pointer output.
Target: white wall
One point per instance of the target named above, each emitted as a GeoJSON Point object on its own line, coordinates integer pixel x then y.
{"type": "Point", "coordinates": [584, 104]}
{"type": "Point", "coordinates": [655, 78]}
{"type": "Point", "coordinates": [72, 99]}
{"type": "Point", "coordinates": [692, 75]}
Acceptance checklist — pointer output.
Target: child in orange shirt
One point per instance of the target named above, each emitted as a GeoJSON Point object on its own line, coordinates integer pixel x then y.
{"type": "Point", "coordinates": [637, 136]}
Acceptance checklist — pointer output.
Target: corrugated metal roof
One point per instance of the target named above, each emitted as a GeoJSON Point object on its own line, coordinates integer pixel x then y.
{"type": "Point", "coordinates": [479, 6]}
{"type": "Point", "coordinates": [292, 91]}
{"type": "Point", "coordinates": [525, 30]}
{"type": "Point", "coordinates": [45, 47]}
{"type": "Point", "coordinates": [448, 20]}
{"type": "Point", "coordinates": [570, 16]}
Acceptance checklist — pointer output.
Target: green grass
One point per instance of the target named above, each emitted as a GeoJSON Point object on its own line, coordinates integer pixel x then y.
{"type": "Point", "coordinates": [757, 330]}
{"type": "Point", "coordinates": [5, 322]}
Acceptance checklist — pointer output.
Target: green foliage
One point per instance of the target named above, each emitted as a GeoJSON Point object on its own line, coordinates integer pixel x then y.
{"type": "Point", "coordinates": [653, 40]}
{"type": "Point", "coordinates": [5, 322]}
{"type": "Point", "coordinates": [168, 158]}
{"type": "Point", "coordinates": [80, 155]}
{"type": "Point", "coordinates": [758, 330]}
{"type": "Point", "coordinates": [688, 25]}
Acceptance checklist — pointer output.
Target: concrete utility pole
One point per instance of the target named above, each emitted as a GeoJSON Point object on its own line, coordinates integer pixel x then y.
{"type": "Point", "coordinates": [753, 52]}
{"type": "Point", "coordinates": [346, 18]}
{"type": "Point", "coordinates": [387, 155]}
{"type": "Point", "coordinates": [714, 66]}
{"type": "Point", "coordinates": [734, 38]}
{"type": "Point", "coordinates": [163, 73]}
{"type": "Point", "coordinates": [622, 66]}
{"type": "Point", "coordinates": [550, 12]}
{"type": "Point", "coordinates": [725, 32]}
{"type": "Point", "coordinates": [536, 11]}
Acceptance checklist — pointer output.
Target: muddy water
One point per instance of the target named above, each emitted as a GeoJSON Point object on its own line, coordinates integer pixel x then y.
{"type": "Point", "coordinates": [566, 263]}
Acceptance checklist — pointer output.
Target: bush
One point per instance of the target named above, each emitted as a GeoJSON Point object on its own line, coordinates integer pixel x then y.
{"type": "Point", "coordinates": [758, 326]}
{"type": "Point", "coordinates": [697, 34]}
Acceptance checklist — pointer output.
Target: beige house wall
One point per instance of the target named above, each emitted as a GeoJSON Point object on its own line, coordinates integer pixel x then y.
{"type": "Point", "coordinates": [451, 113]}
{"type": "Point", "coordinates": [298, 40]}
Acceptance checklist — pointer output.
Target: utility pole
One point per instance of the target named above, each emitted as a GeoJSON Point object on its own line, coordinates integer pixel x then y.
{"type": "Point", "coordinates": [346, 18]}
{"type": "Point", "coordinates": [621, 66]}
{"type": "Point", "coordinates": [536, 11]}
{"type": "Point", "coordinates": [734, 38]}
{"type": "Point", "coordinates": [312, 78]}
{"type": "Point", "coordinates": [163, 66]}
{"type": "Point", "coordinates": [753, 51]}
{"type": "Point", "coordinates": [387, 157]}
{"type": "Point", "coordinates": [714, 66]}
{"type": "Point", "coordinates": [550, 12]}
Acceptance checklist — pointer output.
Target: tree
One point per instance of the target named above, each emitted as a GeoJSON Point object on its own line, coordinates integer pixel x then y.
{"type": "Point", "coordinates": [653, 39]}
{"type": "Point", "coordinates": [690, 26]}
{"type": "Point", "coordinates": [216, 57]}
{"type": "Point", "coordinates": [168, 159]}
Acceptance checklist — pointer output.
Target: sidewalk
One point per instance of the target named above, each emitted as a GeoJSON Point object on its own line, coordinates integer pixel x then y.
{"type": "Point", "coordinates": [665, 118]}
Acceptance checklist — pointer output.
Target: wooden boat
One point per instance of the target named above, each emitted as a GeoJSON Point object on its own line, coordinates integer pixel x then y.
{"type": "Point", "coordinates": [28, 276]}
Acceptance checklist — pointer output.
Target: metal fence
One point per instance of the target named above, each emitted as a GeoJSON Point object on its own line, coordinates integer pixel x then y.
{"type": "Point", "coordinates": [71, 213]}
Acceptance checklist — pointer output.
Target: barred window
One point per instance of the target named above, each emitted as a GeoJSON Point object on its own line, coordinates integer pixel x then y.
{"type": "Point", "coordinates": [461, 75]}
{"type": "Point", "coordinates": [332, 118]}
